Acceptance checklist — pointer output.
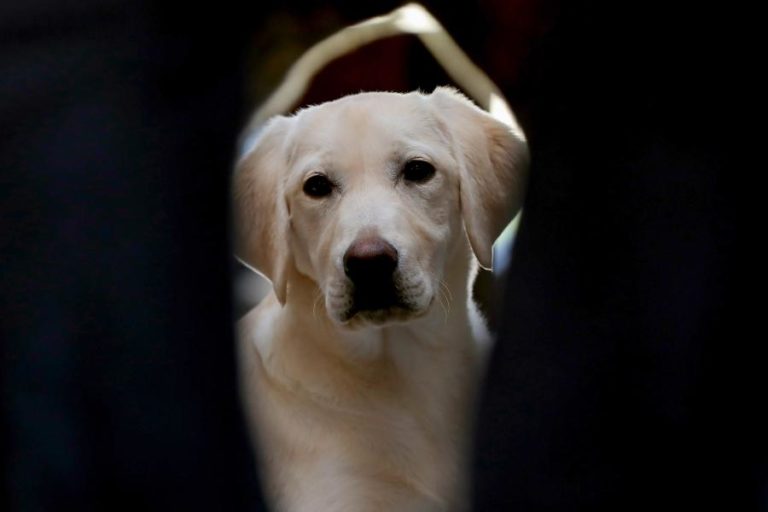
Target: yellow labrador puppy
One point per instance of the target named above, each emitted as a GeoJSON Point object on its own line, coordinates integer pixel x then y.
{"type": "Point", "coordinates": [358, 372]}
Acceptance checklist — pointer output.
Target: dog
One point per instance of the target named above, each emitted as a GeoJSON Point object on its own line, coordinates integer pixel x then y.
{"type": "Point", "coordinates": [370, 215]}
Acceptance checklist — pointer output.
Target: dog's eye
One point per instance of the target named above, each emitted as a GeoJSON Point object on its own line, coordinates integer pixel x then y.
{"type": "Point", "coordinates": [418, 171]}
{"type": "Point", "coordinates": [318, 185]}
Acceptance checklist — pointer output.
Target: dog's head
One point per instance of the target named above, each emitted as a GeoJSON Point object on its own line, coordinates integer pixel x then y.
{"type": "Point", "coordinates": [366, 196]}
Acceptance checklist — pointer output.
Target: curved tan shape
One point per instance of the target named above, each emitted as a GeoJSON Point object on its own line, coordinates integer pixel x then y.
{"type": "Point", "coordinates": [409, 19]}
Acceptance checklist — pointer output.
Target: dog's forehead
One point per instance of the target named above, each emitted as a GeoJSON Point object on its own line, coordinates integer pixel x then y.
{"type": "Point", "coordinates": [370, 120]}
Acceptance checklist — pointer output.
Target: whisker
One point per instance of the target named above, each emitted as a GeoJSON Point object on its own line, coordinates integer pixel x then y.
{"type": "Point", "coordinates": [447, 291]}
{"type": "Point", "coordinates": [446, 307]}
{"type": "Point", "coordinates": [318, 297]}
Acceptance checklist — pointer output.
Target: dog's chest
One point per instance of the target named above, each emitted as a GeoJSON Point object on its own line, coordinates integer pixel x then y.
{"type": "Point", "coordinates": [386, 437]}
{"type": "Point", "coordinates": [391, 455]}
{"type": "Point", "coordinates": [378, 449]}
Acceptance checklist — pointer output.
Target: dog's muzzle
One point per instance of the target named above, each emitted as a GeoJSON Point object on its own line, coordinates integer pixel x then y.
{"type": "Point", "coordinates": [370, 264]}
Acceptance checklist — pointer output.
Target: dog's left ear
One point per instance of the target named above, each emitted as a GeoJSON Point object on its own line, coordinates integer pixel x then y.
{"type": "Point", "coordinates": [260, 211]}
{"type": "Point", "coordinates": [493, 162]}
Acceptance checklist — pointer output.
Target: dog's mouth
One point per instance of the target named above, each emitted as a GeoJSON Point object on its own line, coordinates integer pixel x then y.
{"type": "Point", "coordinates": [377, 300]}
{"type": "Point", "coordinates": [376, 295]}
{"type": "Point", "coordinates": [378, 303]}
{"type": "Point", "coordinates": [394, 314]}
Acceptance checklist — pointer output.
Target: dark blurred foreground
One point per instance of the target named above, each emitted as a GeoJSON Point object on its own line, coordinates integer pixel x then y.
{"type": "Point", "coordinates": [625, 377]}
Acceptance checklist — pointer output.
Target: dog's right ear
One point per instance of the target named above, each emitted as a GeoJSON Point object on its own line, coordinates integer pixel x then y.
{"type": "Point", "coordinates": [260, 210]}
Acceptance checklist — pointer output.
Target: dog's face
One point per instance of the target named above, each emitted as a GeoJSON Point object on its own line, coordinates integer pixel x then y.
{"type": "Point", "coordinates": [367, 195]}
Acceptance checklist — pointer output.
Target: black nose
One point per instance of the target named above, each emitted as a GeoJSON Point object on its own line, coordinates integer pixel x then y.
{"type": "Point", "coordinates": [370, 260]}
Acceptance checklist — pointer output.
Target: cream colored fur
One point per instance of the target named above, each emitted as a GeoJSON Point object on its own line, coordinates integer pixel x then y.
{"type": "Point", "coordinates": [371, 413]}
